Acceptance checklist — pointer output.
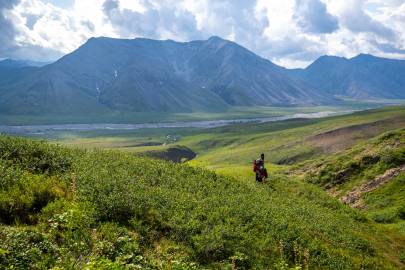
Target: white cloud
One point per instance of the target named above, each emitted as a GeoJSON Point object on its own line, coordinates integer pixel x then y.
{"type": "Point", "coordinates": [289, 32]}
{"type": "Point", "coordinates": [313, 17]}
{"type": "Point", "coordinates": [373, 26]}
{"type": "Point", "coordinates": [7, 29]}
{"type": "Point", "coordinates": [149, 19]}
{"type": "Point", "coordinates": [42, 27]}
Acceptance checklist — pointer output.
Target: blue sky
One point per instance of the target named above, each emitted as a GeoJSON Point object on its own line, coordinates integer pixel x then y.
{"type": "Point", "coordinates": [61, 3]}
{"type": "Point", "coordinates": [291, 33]}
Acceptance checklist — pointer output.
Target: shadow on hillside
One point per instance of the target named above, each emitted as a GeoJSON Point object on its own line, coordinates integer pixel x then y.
{"type": "Point", "coordinates": [178, 154]}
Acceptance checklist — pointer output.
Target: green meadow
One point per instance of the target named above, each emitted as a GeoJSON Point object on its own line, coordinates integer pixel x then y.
{"type": "Point", "coordinates": [283, 142]}
{"type": "Point", "coordinates": [107, 200]}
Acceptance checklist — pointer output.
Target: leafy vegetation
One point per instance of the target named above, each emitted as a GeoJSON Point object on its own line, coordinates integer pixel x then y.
{"type": "Point", "coordinates": [100, 209]}
{"type": "Point", "coordinates": [111, 210]}
{"type": "Point", "coordinates": [365, 161]}
{"type": "Point", "coordinates": [283, 142]}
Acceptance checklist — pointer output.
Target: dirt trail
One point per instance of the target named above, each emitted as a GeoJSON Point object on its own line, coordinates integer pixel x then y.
{"type": "Point", "coordinates": [354, 197]}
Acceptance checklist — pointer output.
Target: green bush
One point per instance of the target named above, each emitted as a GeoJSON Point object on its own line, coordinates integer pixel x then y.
{"type": "Point", "coordinates": [69, 223]}
{"type": "Point", "coordinates": [385, 216]}
{"type": "Point", "coordinates": [112, 210]}
{"type": "Point", "coordinates": [401, 212]}
{"type": "Point", "coordinates": [103, 264]}
{"type": "Point", "coordinates": [35, 156]}
{"type": "Point", "coordinates": [115, 243]}
{"type": "Point", "coordinates": [26, 194]}
{"type": "Point", "coordinates": [402, 256]}
{"type": "Point", "coordinates": [25, 248]}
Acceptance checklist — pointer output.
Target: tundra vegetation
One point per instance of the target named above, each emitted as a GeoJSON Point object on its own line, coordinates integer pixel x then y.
{"type": "Point", "coordinates": [69, 207]}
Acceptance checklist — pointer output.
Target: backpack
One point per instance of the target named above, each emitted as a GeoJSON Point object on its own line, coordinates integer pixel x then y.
{"type": "Point", "coordinates": [257, 164]}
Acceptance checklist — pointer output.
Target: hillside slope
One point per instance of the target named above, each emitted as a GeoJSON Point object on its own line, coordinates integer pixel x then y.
{"type": "Point", "coordinates": [70, 208]}
{"type": "Point", "coordinates": [359, 174]}
{"type": "Point", "coordinates": [143, 75]}
{"type": "Point", "coordinates": [106, 76]}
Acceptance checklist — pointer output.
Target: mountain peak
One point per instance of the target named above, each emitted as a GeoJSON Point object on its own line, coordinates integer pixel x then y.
{"type": "Point", "coordinates": [326, 60]}
{"type": "Point", "coordinates": [101, 39]}
{"type": "Point", "coordinates": [95, 40]}
{"type": "Point", "coordinates": [98, 38]}
{"type": "Point", "coordinates": [146, 75]}
{"type": "Point", "coordinates": [216, 38]}
{"type": "Point", "coordinates": [218, 41]}
{"type": "Point", "coordinates": [363, 56]}
{"type": "Point", "coordinates": [331, 57]}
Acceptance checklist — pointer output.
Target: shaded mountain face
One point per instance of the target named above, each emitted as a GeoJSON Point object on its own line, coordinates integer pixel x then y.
{"type": "Point", "coordinates": [108, 75]}
{"type": "Point", "coordinates": [364, 76]}
{"type": "Point", "coordinates": [11, 63]}
{"type": "Point", "coordinates": [242, 78]}
{"type": "Point", "coordinates": [13, 70]}
{"type": "Point", "coordinates": [143, 75]}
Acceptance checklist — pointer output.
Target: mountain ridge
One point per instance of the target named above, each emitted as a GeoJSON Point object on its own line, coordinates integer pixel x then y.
{"type": "Point", "coordinates": [107, 75]}
{"type": "Point", "coordinates": [144, 75]}
{"type": "Point", "coordinates": [362, 76]}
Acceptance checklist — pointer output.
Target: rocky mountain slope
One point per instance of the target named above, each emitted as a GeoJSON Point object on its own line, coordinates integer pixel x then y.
{"type": "Point", "coordinates": [108, 74]}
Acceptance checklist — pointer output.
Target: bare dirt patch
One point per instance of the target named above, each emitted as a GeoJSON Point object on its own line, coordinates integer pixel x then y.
{"type": "Point", "coordinates": [343, 138]}
{"type": "Point", "coordinates": [354, 197]}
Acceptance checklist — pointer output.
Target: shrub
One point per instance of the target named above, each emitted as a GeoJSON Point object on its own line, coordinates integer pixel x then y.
{"type": "Point", "coordinates": [103, 264]}
{"type": "Point", "coordinates": [385, 217]}
{"type": "Point", "coordinates": [401, 212]}
{"type": "Point", "coordinates": [25, 248]}
{"type": "Point", "coordinates": [35, 156]}
{"type": "Point", "coordinates": [21, 201]}
{"type": "Point", "coordinates": [69, 225]}
{"type": "Point", "coordinates": [402, 256]}
{"type": "Point", "coordinates": [125, 207]}
{"type": "Point", "coordinates": [116, 243]}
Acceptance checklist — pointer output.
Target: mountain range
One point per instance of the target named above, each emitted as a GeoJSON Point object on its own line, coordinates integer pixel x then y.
{"type": "Point", "coordinates": [363, 76]}
{"type": "Point", "coordinates": [142, 75]}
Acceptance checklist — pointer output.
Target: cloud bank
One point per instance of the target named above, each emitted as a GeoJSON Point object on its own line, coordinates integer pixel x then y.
{"type": "Point", "coordinates": [313, 17]}
{"type": "Point", "coordinates": [292, 33]}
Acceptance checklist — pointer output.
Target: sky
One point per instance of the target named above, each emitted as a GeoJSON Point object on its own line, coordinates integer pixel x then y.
{"type": "Point", "coordinates": [291, 33]}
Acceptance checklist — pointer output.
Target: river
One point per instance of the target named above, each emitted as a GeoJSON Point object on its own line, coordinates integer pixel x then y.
{"type": "Point", "coordinates": [43, 129]}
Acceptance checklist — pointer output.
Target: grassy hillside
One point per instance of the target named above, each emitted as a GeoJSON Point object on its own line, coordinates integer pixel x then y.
{"type": "Point", "coordinates": [369, 176]}
{"type": "Point", "coordinates": [107, 209]}
{"type": "Point", "coordinates": [97, 209]}
{"type": "Point", "coordinates": [291, 141]}
{"type": "Point", "coordinates": [284, 142]}
{"type": "Point", "coordinates": [365, 161]}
